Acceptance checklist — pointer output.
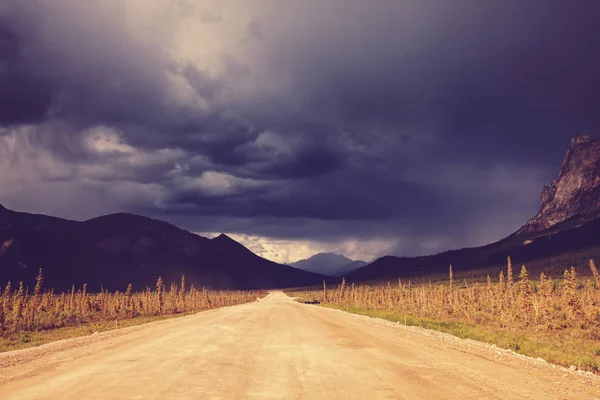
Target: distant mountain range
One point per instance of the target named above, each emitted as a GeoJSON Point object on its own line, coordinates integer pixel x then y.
{"type": "Point", "coordinates": [565, 232]}
{"type": "Point", "coordinates": [329, 264]}
{"type": "Point", "coordinates": [115, 250]}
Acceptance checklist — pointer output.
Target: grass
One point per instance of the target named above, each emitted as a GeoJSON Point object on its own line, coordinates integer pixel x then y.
{"type": "Point", "coordinates": [32, 318]}
{"type": "Point", "coordinates": [555, 348]}
{"type": "Point", "coordinates": [555, 318]}
{"type": "Point", "coordinates": [26, 339]}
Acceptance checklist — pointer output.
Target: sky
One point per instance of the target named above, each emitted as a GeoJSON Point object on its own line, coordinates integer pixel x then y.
{"type": "Point", "coordinates": [298, 126]}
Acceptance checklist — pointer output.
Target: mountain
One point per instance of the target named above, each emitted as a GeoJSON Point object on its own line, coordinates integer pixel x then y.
{"type": "Point", "coordinates": [329, 264]}
{"type": "Point", "coordinates": [114, 250]}
{"type": "Point", "coordinates": [565, 232]}
{"type": "Point", "coordinates": [575, 193]}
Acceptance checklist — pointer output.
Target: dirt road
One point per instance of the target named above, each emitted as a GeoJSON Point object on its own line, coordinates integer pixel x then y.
{"type": "Point", "coordinates": [279, 349]}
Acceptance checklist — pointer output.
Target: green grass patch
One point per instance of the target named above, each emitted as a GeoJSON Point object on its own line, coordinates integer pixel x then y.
{"type": "Point", "coordinates": [554, 347]}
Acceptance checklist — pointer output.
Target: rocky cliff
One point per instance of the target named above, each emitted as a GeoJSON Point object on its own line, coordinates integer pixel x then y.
{"type": "Point", "coordinates": [575, 193]}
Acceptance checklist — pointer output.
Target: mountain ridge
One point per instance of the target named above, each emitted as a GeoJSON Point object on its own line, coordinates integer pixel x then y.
{"type": "Point", "coordinates": [566, 226]}
{"type": "Point", "coordinates": [117, 249]}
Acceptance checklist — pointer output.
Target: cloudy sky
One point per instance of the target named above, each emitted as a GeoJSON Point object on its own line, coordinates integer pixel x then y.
{"type": "Point", "coordinates": [296, 126]}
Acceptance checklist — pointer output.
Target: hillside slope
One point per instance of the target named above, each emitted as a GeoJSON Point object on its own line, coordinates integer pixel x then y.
{"type": "Point", "coordinates": [564, 232]}
{"type": "Point", "coordinates": [551, 250]}
{"type": "Point", "coordinates": [115, 250]}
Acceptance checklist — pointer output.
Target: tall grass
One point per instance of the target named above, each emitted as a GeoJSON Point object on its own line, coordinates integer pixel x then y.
{"type": "Point", "coordinates": [567, 308]}
{"type": "Point", "coordinates": [24, 311]}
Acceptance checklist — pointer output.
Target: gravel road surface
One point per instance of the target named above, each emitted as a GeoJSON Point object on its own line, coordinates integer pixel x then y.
{"type": "Point", "coordinates": [280, 349]}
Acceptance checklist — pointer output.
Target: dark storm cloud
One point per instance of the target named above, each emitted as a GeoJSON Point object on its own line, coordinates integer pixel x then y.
{"type": "Point", "coordinates": [401, 118]}
{"type": "Point", "coordinates": [23, 98]}
{"type": "Point", "coordinates": [473, 73]}
{"type": "Point", "coordinates": [336, 201]}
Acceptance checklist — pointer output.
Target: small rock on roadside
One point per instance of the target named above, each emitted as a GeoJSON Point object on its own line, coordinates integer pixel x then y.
{"type": "Point", "coordinates": [572, 368]}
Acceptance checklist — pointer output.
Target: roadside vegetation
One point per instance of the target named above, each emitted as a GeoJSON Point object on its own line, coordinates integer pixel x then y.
{"type": "Point", "coordinates": [30, 318]}
{"type": "Point", "coordinates": [557, 319]}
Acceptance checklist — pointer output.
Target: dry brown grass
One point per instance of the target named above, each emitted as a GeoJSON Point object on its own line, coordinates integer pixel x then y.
{"type": "Point", "coordinates": [568, 309]}
{"type": "Point", "coordinates": [22, 311]}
